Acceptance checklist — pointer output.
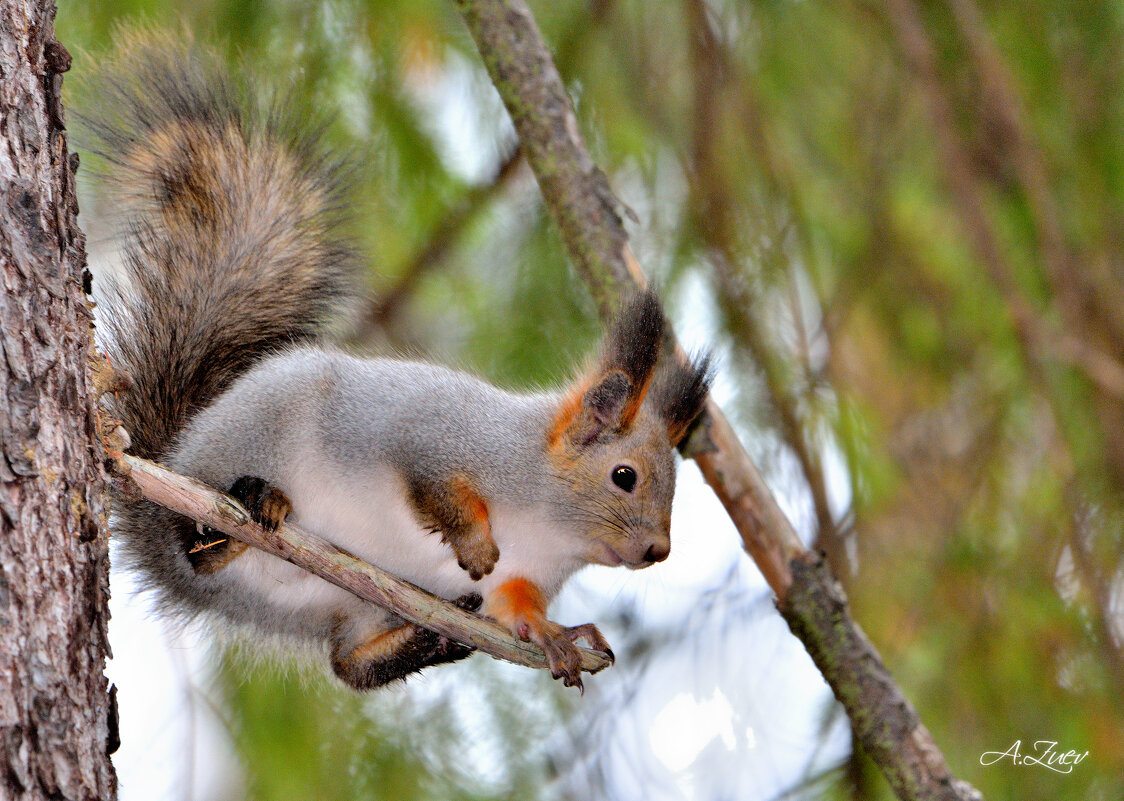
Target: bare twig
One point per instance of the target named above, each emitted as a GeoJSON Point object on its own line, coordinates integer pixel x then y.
{"type": "Point", "coordinates": [441, 240]}
{"type": "Point", "coordinates": [717, 223]}
{"type": "Point", "coordinates": [318, 556]}
{"type": "Point", "coordinates": [585, 209]}
{"type": "Point", "coordinates": [1082, 303]}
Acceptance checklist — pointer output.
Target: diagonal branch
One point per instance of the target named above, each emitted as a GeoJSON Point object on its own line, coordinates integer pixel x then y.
{"type": "Point", "coordinates": [711, 187]}
{"type": "Point", "coordinates": [1083, 303]}
{"type": "Point", "coordinates": [441, 241]}
{"type": "Point", "coordinates": [304, 549]}
{"type": "Point", "coordinates": [585, 210]}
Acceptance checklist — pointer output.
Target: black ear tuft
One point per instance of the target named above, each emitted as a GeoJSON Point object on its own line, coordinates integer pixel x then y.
{"type": "Point", "coordinates": [633, 343]}
{"type": "Point", "coordinates": [612, 395]}
{"type": "Point", "coordinates": [680, 393]}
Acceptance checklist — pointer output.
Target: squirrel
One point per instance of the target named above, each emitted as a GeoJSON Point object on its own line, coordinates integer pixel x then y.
{"type": "Point", "coordinates": [234, 261]}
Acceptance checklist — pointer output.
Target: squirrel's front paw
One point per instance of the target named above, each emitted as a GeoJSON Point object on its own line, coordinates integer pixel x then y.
{"type": "Point", "coordinates": [476, 552]}
{"type": "Point", "coordinates": [562, 655]}
{"type": "Point", "coordinates": [267, 505]}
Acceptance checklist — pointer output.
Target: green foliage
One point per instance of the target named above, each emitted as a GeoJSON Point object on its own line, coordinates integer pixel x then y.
{"type": "Point", "coordinates": [302, 736]}
{"type": "Point", "coordinates": [815, 201]}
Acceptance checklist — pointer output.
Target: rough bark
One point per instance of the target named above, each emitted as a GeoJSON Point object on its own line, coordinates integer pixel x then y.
{"type": "Point", "coordinates": [885, 722]}
{"type": "Point", "coordinates": [585, 210]}
{"type": "Point", "coordinates": [55, 707]}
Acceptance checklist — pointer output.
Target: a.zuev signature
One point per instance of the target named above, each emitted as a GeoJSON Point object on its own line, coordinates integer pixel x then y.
{"type": "Point", "coordinates": [1045, 755]}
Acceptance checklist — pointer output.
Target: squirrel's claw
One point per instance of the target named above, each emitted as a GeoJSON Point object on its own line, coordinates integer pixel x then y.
{"type": "Point", "coordinates": [470, 602]}
{"type": "Point", "coordinates": [563, 658]}
{"type": "Point", "coordinates": [562, 655]}
{"type": "Point", "coordinates": [592, 635]}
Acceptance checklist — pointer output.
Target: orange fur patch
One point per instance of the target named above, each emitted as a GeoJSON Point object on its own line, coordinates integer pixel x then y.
{"type": "Point", "coordinates": [567, 414]}
{"type": "Point", "coordinates": [675, 432]}
{"type": "Point", "coordinates": [628, 414]}
{"type": "Point", "coordinates": [380, 647]}
{"type": "Point", "coordinates": [470, 502]}
{"type": "Point", "coordinates": [517, 600]}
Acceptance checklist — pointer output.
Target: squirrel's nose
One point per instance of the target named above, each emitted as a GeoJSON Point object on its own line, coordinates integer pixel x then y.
{"type": "Point", "coordinates": [657, 553]}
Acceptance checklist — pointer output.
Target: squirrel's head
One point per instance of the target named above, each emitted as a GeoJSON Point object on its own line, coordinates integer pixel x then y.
{"type": "Point", "coordinates": [614, 434]}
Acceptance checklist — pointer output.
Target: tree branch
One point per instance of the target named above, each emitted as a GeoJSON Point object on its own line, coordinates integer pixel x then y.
{"type": "Point", "coordinates": [585, 210]}
{"type": "Point", "coordinates": [718, 229]}
{"type": "Point", "coordinates": [306, 550]}
{"type": "Point", "coordinates": [442, 239]}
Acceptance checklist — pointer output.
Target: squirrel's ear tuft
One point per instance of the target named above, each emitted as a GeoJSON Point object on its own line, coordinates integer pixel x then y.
{"type": "Point", "coordinates": [632, 347]}
{"type": "Point", "coordinates": [609, 398]}
{"type": "Point", "coordinates": [680, 393]}
{"type": "Point", "coordinates": [604, 406]}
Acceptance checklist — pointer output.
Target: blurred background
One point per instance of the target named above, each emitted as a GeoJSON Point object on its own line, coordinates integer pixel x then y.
{"type": "Point", "coordinates": [899, 225]}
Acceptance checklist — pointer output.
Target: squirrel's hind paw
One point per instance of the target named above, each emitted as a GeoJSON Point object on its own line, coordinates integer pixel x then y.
{"type": "Point", "coordinates": [209, 551]}
{"type": "Point", "coordinates": [562, 655]}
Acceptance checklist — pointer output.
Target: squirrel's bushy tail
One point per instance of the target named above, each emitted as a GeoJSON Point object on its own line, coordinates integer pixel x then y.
{"type": "Point", "coordinates": [230, 237]}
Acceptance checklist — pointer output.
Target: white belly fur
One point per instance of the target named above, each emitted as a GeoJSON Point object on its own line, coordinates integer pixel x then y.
{"type": "Point", "coordinates": [371, 518]}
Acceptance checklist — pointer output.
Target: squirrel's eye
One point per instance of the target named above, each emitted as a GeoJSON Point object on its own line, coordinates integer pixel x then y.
{"type": "Point", "coordinates": [624, 477]}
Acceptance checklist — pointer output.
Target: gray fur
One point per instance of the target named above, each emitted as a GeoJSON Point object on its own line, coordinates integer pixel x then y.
{"type": "Point", "coordinates": [362, 417]}
{"type": "Point", "coordinates": [363, 413]}
{"type": "Point", "coordinates": [234, 257]}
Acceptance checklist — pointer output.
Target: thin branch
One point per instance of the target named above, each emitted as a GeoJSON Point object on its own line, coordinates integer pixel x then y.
{"type": "Point", "coordinates": [441, 240]}
{"type": "Point", "coordinates": [1081, 304]}
{"type": "Point", "coordinates": [313, 553]}
{"type": "Point", "coordinates": [718, 226]}
{"type": "Point", "coordinates": [584, 208]}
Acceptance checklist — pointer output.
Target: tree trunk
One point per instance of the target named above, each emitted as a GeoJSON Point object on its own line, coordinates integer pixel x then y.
{"type": "Point", "coordinates": [56, 716]}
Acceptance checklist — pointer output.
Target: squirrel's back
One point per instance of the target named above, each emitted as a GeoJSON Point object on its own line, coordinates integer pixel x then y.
{"type": "Point", "coordinates": [230, 231]}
